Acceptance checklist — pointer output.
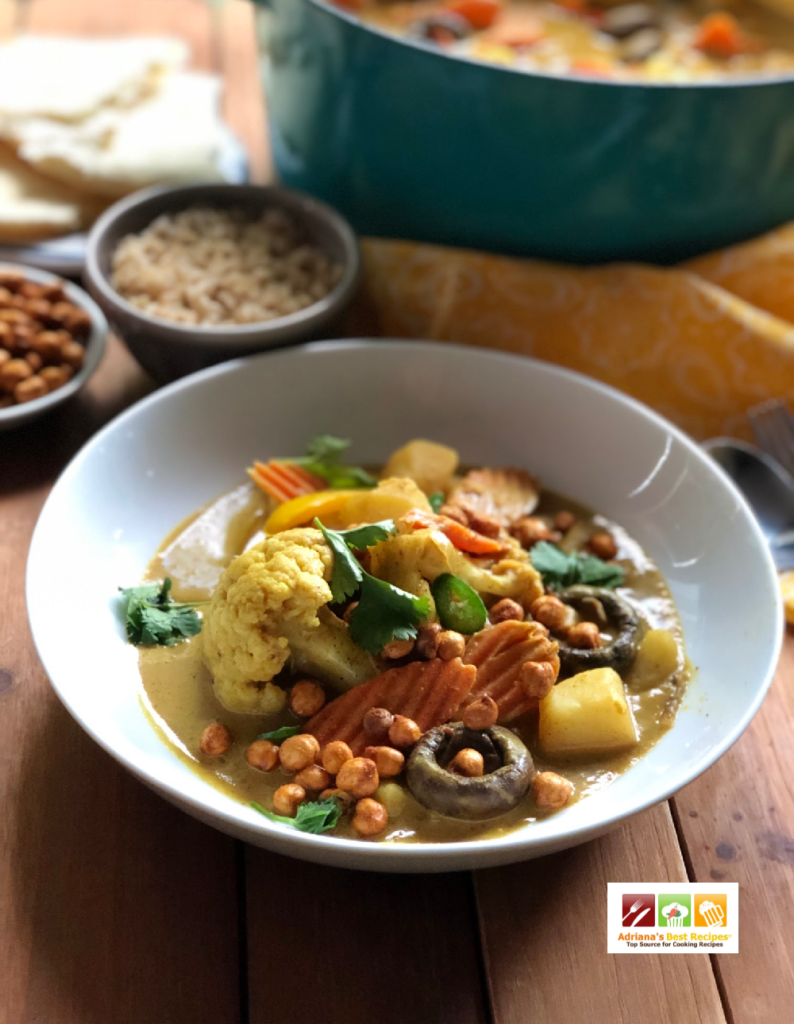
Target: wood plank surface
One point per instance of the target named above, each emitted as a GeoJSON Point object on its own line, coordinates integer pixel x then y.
{"type": "Point", "coordinates": [375, 949]}
{"type": "Point", "coordinates": [737, 824]}
{"type": "Point", "coordinates": [115, 906]}
{"type": "Point", "coordinates": [544, 932]}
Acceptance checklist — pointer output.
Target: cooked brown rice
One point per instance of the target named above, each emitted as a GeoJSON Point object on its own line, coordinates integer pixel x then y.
{"type": "Point", "coordinates": [205, 266]}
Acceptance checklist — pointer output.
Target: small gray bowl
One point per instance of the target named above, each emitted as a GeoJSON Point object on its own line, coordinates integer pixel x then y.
{"type": "Point", "coordinates": [170, 350]}
{"type": "Point", "coordinates": [17, 415]}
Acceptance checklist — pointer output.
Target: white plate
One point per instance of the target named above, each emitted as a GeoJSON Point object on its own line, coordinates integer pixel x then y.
{"type": "Point", "coordinates": [185, 444]}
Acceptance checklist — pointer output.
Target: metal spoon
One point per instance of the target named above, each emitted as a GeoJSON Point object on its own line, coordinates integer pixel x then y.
{"type": "Point", "coordinates": [768, 487]}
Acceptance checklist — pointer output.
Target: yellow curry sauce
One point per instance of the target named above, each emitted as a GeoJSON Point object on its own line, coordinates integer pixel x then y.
{"type": "Point", "coordinates": [178, 694]}
{"type": "Point", "coordinates": [657, 40]}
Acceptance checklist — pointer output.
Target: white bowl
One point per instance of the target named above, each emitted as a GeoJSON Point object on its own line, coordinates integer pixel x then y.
{"type": "Point", "coordinates": [17, 415]}
{"type": "Point", "coordinates": [184, 445]}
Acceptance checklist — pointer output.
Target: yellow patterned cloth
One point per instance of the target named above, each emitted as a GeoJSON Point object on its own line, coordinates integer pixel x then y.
{"type": "Point", "coordinates": [699, 343]}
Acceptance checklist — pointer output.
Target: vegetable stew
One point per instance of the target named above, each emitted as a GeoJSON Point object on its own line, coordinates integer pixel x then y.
{"type": "Point", "coordinates": [358, 661]}
{"type": "Point", "coordinates": [656, 40]}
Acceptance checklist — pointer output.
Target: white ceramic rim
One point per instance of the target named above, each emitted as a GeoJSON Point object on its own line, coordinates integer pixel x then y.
{"type": "Point", "coordinates": [94, 350]}
{"type": "Point", "coordinates": [240, 819]}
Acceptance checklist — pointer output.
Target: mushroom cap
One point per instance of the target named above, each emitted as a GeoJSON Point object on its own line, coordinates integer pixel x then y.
{"type": "Point", "coordinates": [508, 772]}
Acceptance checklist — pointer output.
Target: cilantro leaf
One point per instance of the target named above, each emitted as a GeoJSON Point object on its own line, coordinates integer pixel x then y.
{"type": "Point", "coordinates": [362, 537]}
{"type": "Point", "coordinates": [277, 735]}
{"type": "Point", "coordinates": [436, 500]}
{"type": "Point", "coordinates": [315, 818]}
{"type": "Point", "coordinates": [347, 573]}
{"type": "Point", "coordinates": [385, 613]}
{"type": "Point", "coordinates": [560, 570]}
{"type": "Point", "coordinates": [326, 448]}
{"type": "Point", "coordinates": [151, 618]}
{"type": "Point", "coordinates": [323, 458]}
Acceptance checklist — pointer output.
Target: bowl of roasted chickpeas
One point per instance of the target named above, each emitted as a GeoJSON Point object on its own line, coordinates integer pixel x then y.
{"type": "Point", "coordinates": [52, 337]}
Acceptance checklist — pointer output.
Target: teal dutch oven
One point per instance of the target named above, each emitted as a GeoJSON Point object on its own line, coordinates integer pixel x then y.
{"type": "Point", "coordinates": [410, 142]}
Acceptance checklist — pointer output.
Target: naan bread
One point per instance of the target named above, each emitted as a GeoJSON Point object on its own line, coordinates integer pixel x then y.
{"type": "Point", "coordinates": [33, 208]}
{"type": "Point", "coordinates": [174, 135]}
{"type": "Point", "coordinates": [69, 79]}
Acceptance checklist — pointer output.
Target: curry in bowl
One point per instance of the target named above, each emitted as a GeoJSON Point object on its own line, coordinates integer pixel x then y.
{"type": "Point", "coordinates": [420, 654]}
{"type": "Point", "coordinates": [656, 40]}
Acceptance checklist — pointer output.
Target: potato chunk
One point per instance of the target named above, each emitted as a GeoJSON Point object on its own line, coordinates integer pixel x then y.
{"type": "Point", "coordinates": [657, 659]}
{"type": "Point", "coordinates": [428, 464]}
{"type": "Point", "coordinates": [586, 714]}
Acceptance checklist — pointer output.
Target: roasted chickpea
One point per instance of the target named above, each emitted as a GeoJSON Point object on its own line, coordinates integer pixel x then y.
{"type": "Point", "coordinates": [551, 612]}
{"type": "Point", "coordinates": [5, 356]}
{"type": "Point", "coordinates": [467, 762]}
{"type": "Point", "coordinates": [335, 754]}
{"type": "Point", "coordinates": [53, 376]}
{"type": "Point", "coordinates": [262, 755]}
{"type": "Point", "coordinates": [345, 799]}
{"type": "Point", "coordinates": [79, 322]}
{"type": "Point", "coordinates": [298, 752]}
{"type": "Point", "coordinates": [306, 698]}
{"type": "Point", "coordinates": [12, 372]}
{"type": "Point", "coordinates": [313, 779]}
{"type": "Point", "coordinates": [33, 359]}
{"type": "Point", "coordinates": [404, 732]}
{"type": "Point", "coordinates": [536, 678]}
{"type": "Point", "coordinates": [376, 723]}
{"type": "Point", "coordinates": [53, 293]}
{"type": "Point", "coordinates": [215, 740]}
{"type": "Point", "coordinates": [30, 389]}
{"type": "Point", "coordinates": [287, 799]}
{"type": "Point", "coordinates": [530, 530]}
{"type": "Point", "coordinates": [6, 335]}
{"type": "Point", "coordinates": [584, 636]}
{"type": "Point", "coordinates": [358, 777]}
{"type": "Point", "coordinates": [450, 645]}
{"type": "Point", "coordinates": [48, 345]}
{"type": "Point", "coordinates": [481, 714]}
{"type": "Point", "coordinates": [397, 649]}
{"type": "Point", "coordinates": [73, 353]}
{"type": "Point", "coordinates": [23, 340]}
{"type": "Point", "coordinates": [6, 401]}
{"type": "Point", "coordinates": [14, 317]}
{"type": "Point", "coordinates": [31, 289]}
{"type": "Point", "coordinates": [563, 521]}
{"type": "Point", "coordinates": [390, 762]}
{"type": "Point", "coordinates": [11, 279]}
{"type": "Point", "coordinates": [40, 309]}
{"type": "Point", "coordinates": [506, 610]}
{"type": "Point", "coordinates": [603, 546]}
{"type": "Point", "coordinates": [551, 791]}
{"type": "Point", "coordinates": [426, 645]}
{"type": "Point", "coordinates": [370, 817]}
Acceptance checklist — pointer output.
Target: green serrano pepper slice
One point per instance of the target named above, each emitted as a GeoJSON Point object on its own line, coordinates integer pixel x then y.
{"type": "Point", "coordinates": [458, 605]}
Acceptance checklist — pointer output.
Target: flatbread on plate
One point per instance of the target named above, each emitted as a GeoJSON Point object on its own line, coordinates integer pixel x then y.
{"type": "Point", "coordinates": [174, 135]}
{"type": "Point", "coordinates": [33, 208]}
{"type": "Point", "coordinates": [70, 78]}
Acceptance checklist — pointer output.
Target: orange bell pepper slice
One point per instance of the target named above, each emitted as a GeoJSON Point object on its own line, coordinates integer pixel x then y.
{"type": "Point", "coordinates": [462, 537]}
{"type": "Point", "coordinates": [480, 14]}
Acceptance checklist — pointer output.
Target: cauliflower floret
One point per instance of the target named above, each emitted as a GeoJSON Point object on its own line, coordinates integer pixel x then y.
{"type": "Point", "coordinates": [409, 560]}
{"type": "Point", "coordinates": [273, 589]}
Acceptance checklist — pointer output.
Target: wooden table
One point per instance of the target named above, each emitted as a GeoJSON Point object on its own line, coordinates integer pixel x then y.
{"type": "Point", "coordinates": [115, 908]}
